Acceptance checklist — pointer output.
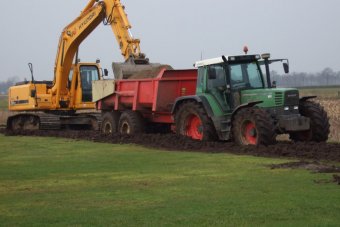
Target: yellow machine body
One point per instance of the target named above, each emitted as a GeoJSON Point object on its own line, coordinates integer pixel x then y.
{"type": "Point", "coordinates": [30, 96]}
{"type": "Point", "coordinates": [68, 89]}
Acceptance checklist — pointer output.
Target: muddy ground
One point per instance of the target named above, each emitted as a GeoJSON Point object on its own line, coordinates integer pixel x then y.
{"type": "Point", "coordinates": [314, 167]}
{"type": "Point", "coordinates": [304, 151]}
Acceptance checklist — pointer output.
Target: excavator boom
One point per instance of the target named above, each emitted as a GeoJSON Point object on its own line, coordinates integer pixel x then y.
{"type": "Point", "coordinates": [53, 104]}
{"type": "Point", "coordinates": [112, 13]}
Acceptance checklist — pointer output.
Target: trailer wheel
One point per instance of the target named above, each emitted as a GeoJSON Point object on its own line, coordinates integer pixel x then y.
{"type": "Point", "coordinates": [253, 126]}
{"type": "Point", "coordinates": [319, 123]}
{"type": "Point", "coordinates": [110, 123]}
{"type": "Point", "coordinates": [192, 121]}
{"type": "Point", "coordinates": [131, 122]}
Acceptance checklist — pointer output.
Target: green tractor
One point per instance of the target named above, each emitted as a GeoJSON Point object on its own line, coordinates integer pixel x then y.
{"type": "Point", "coordinates": [235, 101]}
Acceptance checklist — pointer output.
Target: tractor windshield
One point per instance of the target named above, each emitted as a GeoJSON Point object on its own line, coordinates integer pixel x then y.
{"type": "Point", "coordinates": [246, 76]}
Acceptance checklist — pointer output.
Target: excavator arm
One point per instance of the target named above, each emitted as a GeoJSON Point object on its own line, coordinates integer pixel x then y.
{"type": "Point", "coordinates": [116, 17]}
{"type": "Point", "coordinates": [112, 13]}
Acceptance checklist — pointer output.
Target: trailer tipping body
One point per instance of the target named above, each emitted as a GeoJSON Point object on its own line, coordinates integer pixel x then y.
{"type": "Point", "coordinates": [152, 97]}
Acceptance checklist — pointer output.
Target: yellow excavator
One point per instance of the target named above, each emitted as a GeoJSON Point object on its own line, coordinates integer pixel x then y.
{"type": "Point", "coordinates": [54, 104]}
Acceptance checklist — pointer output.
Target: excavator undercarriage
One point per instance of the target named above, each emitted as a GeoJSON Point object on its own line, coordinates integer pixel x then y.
{"type": "Point", "coordinates": [54, 121]}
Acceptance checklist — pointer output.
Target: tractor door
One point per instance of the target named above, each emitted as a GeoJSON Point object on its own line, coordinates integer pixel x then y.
{"type": "Point", "coordinates": [217, 86]}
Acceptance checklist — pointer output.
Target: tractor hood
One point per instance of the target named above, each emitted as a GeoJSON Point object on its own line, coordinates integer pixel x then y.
{"type": "Point", "coordinates": [271, 97]}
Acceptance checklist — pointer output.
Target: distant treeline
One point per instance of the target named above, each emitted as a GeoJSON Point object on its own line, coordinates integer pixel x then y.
{"type": "Point", "coordinates": [326, 77]}
{"type": "Point", "coordinates": [4, 85]}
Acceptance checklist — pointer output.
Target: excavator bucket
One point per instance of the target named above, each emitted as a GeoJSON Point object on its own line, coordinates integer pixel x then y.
{"type": "Point", "coordinates": [130, 70]}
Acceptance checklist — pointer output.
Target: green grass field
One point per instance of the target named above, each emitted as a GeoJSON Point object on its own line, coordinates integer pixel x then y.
{"type": "Point", "coordinates": [49, 181]}
{"type": "Point", "coordinates": [322, 92]}
{"type": "Point", "coordinates": [3, 109]}
{"type": "Point", "coordinates": [3, 102]}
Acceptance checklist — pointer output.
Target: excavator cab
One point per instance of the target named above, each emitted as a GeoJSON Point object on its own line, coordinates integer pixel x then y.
{"type": "Point", "coordinates": [80, 88]}
{"type": "Point", "coordinates": [88, 73]}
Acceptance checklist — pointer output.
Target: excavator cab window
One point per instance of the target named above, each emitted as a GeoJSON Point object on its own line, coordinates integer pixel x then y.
{"type": "Point", "coordinates": [88, 74]}
{"type": "Point", "coordinates": [69, 82]}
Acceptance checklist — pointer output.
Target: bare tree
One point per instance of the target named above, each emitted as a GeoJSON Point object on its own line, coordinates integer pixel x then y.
{"type": "Point", "coordinates": [327, 77]}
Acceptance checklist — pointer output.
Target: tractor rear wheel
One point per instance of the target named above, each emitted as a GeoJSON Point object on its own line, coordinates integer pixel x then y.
{"type": "Point", "coordinates": [192, 121]}
{"type": "Point", "coordinates": [319, 123]}
{"type": "Point", "coordinates": [253, 126]}
{"type": "Point", "coordinates": [110, 123]}
{"type": "Point", "coordinates": [130, 123]}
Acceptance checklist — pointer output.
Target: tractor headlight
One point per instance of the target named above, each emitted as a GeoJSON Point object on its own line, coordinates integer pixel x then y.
{"type": "Point", "coordinates": [296, 107]}
{"type": "Point", "coordinates": [286, 108]}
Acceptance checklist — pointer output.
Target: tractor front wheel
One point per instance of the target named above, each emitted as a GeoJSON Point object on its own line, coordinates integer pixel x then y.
{"type": "Point", "coordinates": [253, 126]}
{"type": "Point", "coordinates": [319, 123]}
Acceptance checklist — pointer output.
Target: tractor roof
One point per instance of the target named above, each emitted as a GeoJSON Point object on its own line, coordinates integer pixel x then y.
{"type": "Point", "coordinates": [213, 61]}
{"type": "Point", "coordinates": [210, 61]}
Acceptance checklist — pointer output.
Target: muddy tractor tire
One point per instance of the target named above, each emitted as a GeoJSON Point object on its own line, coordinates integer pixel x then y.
{"type": "Point", "coordinates": [192, 121]}
{"type": "Point", "coordinates": [110, 123]}
{"type": "Point", "coordinates": [319, 123]}
{"type": "Point", "coordinates": [131, 123]}
{"type": "Point", "coordinates": [253, 126]}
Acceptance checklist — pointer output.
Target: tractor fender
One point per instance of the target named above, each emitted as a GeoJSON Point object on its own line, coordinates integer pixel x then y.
{"type": "Point", "coordinates": [199, 99]}
{"type": "Point", "coordinates": [245, 105]}
{"type": "Point", "coordinates": [305, 98]}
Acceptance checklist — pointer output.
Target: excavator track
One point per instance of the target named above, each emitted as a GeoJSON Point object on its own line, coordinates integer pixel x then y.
{"type": "Point", "coordinates": [99, 119]}
{"type": "Point", "coordinates": [50, 121]}
{"type": "Point", "coordinates": [96, 116]}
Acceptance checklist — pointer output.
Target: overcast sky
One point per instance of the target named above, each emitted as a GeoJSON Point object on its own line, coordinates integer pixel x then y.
{"type": "Point", "coordinates": [176, 32]}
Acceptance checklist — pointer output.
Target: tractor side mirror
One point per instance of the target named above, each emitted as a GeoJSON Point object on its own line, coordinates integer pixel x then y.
{"type": "Point", "coordinates": [106, 72]}
{"type": "Point", "coordinates": [211, 73]}
{"type": "Point", "coordinates": [286, 67]}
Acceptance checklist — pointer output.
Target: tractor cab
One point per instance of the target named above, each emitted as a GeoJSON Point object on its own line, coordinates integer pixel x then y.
{"type": "Point", "coordinates": [236, 80]}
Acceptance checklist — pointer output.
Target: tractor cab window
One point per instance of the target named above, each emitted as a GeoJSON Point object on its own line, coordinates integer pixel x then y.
{"type": "Point", "coordinates": [88, 74]}
{"type": "Point", "coordinates": [217, 77]}
{"type": "Point", "coordinates": [245, 76]}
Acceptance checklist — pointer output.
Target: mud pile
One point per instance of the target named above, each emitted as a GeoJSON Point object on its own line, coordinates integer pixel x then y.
{"type": "Point", "coordinates": [314, 167]}
{"type": "Point", "coordinates": [311, 151]}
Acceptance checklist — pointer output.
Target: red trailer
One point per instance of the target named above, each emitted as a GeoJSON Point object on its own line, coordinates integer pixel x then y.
{"type": "Point", "coordinates": [142, 100]}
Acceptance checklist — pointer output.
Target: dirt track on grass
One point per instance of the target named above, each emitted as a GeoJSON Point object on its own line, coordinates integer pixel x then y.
{"type": "Point", "coordinates": [308, 151]}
